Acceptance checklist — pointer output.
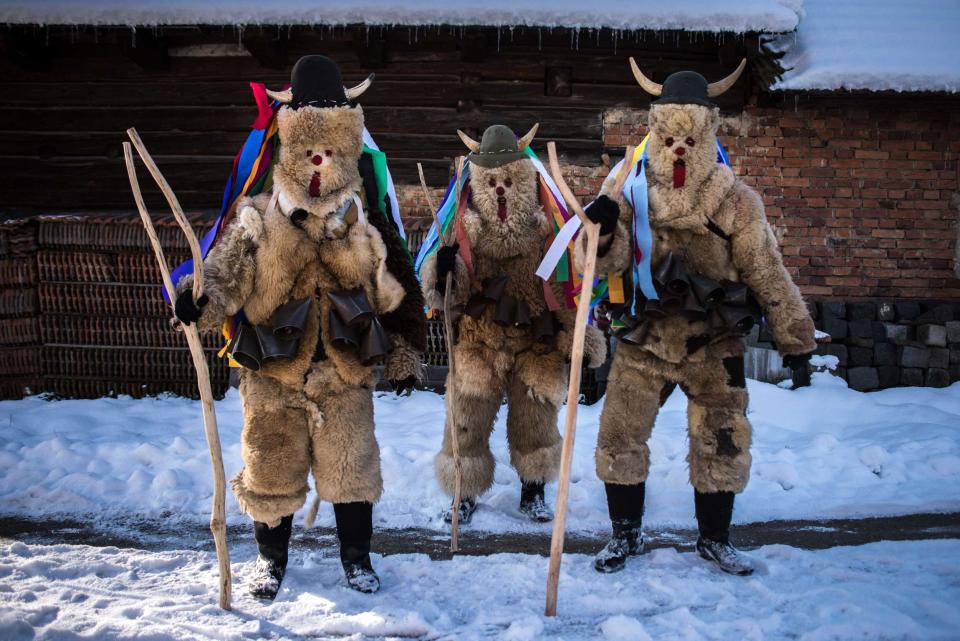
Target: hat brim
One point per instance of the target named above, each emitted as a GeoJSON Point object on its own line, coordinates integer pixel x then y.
{"type": "Point", "coordinates": [679, 100]}
{"type": "Point", "coordinates": [493, 160]}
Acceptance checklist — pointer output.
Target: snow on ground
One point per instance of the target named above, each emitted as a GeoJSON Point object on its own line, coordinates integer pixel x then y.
{"type": "Point", "coordinates": [874, 44]}
{"type": "Point", "coordinates": [694, 15]}
{"type": "Point", "coordinates": [819, 452]}
{"type": "Point", "coordinates": [887, 590]}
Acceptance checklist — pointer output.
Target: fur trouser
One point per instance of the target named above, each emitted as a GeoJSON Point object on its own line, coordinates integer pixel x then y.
{"type": "Point", "coordinates": [534, 385]}
{"type": "Point", "coordinates": [719, 454]}
{"type": "Point", "coordinates": [325, 427]}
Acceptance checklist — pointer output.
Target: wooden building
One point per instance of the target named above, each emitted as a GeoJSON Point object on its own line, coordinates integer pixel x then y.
{"type": "Point", "coordinates": [859, 184]}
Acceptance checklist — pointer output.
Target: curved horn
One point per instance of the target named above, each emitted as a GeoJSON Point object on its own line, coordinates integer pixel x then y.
{"type": "Point", "coordinates": [648, 85]}
{"type": "Point", "coordinates": [284, 96]}
{"type": "Point", "coordinates": [524, 142]}
{"type": "Point", "coordinates": [714, 89]}
{"type": "Point", "coordinates": [471, 144]}
{"type": "Point", "coordinates": [354, 92]}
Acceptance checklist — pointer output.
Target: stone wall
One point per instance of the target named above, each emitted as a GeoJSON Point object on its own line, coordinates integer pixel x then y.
{"type": "Point", "coordinates": [889, 344]}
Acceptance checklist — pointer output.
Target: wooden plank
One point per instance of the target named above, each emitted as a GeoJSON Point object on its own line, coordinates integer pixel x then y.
{"type": "Point", "coordinates": [48, 145]}
{"type": "Point", "coordinates": [60, 183]}
{"type": "Point", "coordinates": [555, 123]}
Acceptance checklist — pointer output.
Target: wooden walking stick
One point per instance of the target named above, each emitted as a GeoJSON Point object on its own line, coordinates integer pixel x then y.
{"type": "Point", "coordinates": [218, 524]}
{"type": "Point", "coordinates": [451, 361]}
{"type": "Point", "coordinates": [576, 365]}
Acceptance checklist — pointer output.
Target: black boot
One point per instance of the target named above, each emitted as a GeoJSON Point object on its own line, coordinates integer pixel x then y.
{"type": "Point", "coordinates": [532, 502]}
{"type": "Point", "coordinates": [625, 504]}
{"type": "Point", "coordinates": [468, 506]}
{"type": "Point", "coordinates": [714, 513]}
{"type": "Point", "coordinates": [355, 529]}
{"type": "Point", "coordinates": [273, 544]}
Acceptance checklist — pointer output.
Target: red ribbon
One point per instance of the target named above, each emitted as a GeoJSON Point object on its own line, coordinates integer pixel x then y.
{"type": "Point", "coordinates": [264, 112]}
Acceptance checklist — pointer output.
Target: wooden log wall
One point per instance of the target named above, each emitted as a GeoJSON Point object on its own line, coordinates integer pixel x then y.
{"type": "Point", "coordinates": [69, 93]}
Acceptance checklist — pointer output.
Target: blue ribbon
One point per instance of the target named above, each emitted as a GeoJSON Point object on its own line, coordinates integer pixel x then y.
{"type": "Point", "coordinates": [635, 192]}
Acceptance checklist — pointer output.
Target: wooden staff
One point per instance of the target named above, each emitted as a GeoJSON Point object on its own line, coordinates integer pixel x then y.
{"type": "Point", "coordinates": [218, 523]}
{"type": "Point", "coordinates": [576, 364]}
{"type": "Point", "coordinates": [451, 361]}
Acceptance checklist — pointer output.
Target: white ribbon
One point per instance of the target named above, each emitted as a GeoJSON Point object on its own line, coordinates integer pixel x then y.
{"type": "Point", "coordinates": [557, 247]}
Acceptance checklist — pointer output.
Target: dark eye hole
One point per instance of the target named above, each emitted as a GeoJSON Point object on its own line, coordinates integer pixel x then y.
{"type": "Point", "coordinates": [508, 182]}
{"type": "Point", "coordinates": [492, 182]}
{"type": "Point", "coordinates": [668, 142]}
{"type": "Point", "coordinates": [690, 142]}
{"type": "Point", "coordinates": [328, 153]}
{"type": "Point", "coordinates": [309, 153]}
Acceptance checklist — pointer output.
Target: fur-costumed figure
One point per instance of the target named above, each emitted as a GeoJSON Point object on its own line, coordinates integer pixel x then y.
{"type": "Point", "coordinates": [508, 340]}
{"type": "Point", "coordinates": [327, 291]}
{"type": "Point", "coordinates": [712, 255]}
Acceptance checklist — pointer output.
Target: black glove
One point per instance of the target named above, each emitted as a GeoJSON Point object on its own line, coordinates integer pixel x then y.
{"type": "Point", "coordinates": [405, 386]}
{"type": "Point", "coordinates": [604, 211]}
{"type": "Point", "coordinates": [186, 310]}
{"type": "Point", "coordinates": [798, 365]}
{"type": "Point", "coordinates": [446, 263]}
{"type": "Point", "coordinates": [797, 361]}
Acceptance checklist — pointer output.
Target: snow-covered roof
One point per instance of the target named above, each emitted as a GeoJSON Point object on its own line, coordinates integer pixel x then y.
{"type": "Point", "coordinates": [899, 45]}
{"type": "Point", "coordinates": [691, 15]}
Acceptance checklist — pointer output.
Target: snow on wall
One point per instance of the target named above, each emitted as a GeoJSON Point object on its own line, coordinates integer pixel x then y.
{"type": "Point", "coordinates": [692, 15]}
{"type": "Point", "coordinates": [875, 45]}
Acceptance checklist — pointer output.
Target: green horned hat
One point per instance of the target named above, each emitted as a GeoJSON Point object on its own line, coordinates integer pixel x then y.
{"type": "Point", "coordinates": [498, 146]}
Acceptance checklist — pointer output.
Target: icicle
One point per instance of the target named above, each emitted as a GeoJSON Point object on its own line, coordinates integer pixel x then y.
{"type": "Point", "coordinates": [498, 38]}
{"type": "Point", "coordinates": [539, 39]}
{"type": "Point", "coordinates": [133, 36]}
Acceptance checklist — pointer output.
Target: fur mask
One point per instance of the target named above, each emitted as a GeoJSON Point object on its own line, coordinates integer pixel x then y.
{"type": "Point", "coordinates": [507, 206]}
{"type": "Point", "coordinates": [319, 151]}
{"type": "Point", "coordinates": [682, 150]}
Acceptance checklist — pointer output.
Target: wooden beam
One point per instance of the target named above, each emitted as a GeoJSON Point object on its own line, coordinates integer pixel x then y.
{"type": "Point", "coordinates": [148, 51]}
{"type": "Point", "coordinates": [269, 49]}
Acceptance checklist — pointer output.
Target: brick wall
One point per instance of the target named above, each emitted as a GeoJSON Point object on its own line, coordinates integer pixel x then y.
{"type": "Point", "coordinates": [859, 189]}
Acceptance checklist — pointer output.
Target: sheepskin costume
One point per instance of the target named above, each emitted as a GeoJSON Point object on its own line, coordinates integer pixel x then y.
{"type": "Point", "coordinates": [715, 224]}
{"type": "Point", "coordinates": [507, 229]}
{"type": "Point", "coordinates": [313, 236]}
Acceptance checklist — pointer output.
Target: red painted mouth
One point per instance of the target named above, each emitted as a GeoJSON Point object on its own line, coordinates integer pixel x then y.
{"type": "Point", "coordinates": [502, 208]}
{"type": "Point", "coordinates": [679, 174]}
{"type": "Point", "coordinates": [315, 185]}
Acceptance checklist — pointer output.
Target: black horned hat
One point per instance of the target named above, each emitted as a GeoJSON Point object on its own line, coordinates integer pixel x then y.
{"type": "Point", "coordinates": [686, 87]}
{"type": "Point", "coordinates": [316, 82]}
{"type": "Point", "coordinates": [498, 146]}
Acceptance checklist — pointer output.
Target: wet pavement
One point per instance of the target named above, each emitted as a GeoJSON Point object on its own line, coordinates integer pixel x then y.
{"type": "Point", "coordinates": [167, 535]}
